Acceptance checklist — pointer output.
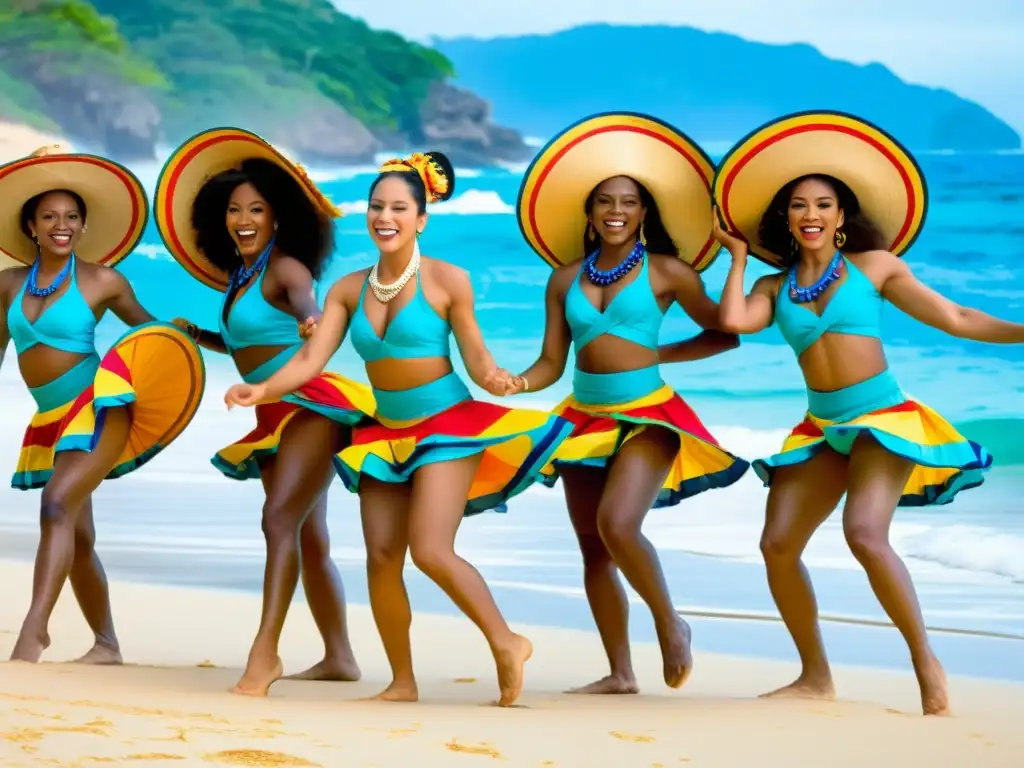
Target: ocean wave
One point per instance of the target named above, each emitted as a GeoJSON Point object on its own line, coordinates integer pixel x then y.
{"type": "Point", "coordinates": [1000, 437]}
{"type": "Point", "coordinates": [966, 547]}
{"type": "Point", "coordinates": [470, 203]}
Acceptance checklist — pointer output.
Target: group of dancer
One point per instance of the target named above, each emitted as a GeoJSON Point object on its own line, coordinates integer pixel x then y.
{"type": "Point", "coordinates": [628, 212]}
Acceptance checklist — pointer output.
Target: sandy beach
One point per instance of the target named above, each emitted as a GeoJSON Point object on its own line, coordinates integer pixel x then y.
{"type": "Point", "coordinates": [184, 648]}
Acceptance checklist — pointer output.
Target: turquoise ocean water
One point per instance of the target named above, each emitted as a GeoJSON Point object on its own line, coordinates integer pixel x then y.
{"type": "Point", "coordinates": [178, 521]}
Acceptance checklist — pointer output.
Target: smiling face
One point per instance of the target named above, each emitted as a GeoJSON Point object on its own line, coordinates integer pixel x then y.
{"type": "Point", "coordinates": [392, 216]}
{"type": "Point", "coordinates": [57, 224]}
{"type": "Point", "coordinates": [250, 220]}
{"type": "Point", "coordinates": [617, 211]}
{"type": "Point", "coordinates": [814, 214]}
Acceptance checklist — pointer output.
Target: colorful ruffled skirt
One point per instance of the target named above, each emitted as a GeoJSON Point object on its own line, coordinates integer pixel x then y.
{"type": "Point", "coordinates": [946, 462]}
{"type": "Point", "coordinates": [155, 368]}
{"type": "Point", "coordinates": [607, 409]}
{"type": "Point", "coordinates": [329, 394]}
{"type": "Point", "coordinates": [440, 421]}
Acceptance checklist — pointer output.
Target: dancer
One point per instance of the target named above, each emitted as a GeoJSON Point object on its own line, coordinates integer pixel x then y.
{"type": "Point", "coordinates": [436, 454]}
{"type": "Point", "coordinates": [833, 201]}
{"type": "Point", "coordinates": [619, 205]}
{"type": "Point", "coordinates": [70, 218]}
{"type": "Point", "coordinates": [244, 220]}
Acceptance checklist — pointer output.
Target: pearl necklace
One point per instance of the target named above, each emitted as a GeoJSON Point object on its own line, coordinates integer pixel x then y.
{"type": "Point", "coordinates": [386, 293]}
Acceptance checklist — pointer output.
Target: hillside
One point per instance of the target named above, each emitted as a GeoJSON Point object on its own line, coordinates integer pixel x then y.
{"type": "Point", "coordinates": [714, 86]}
{"type": "Point", "coordinates": [122, 75]}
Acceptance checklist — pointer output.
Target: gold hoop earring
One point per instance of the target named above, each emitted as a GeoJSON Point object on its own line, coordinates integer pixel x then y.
{"type": "Point", "coordinates": [840, 238]}
{"type": "Point", "coordinates": [643, 237]}
{"type": "Point", "coordinates": [591, 234]}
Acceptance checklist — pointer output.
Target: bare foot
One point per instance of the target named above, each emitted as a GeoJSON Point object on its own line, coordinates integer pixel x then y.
{"type": "Point", "coordinates": [335, 670]}
{"type": "Point", "coordinates": [613, 684]}
{"type": "Point", "coordinates": [30, 646]}
{"type": "Point", "coordinates": [511, 661]}
{"type": "Point", "coordinates": [807, 686]}
{"type": "Point", "coordinates": [398, 691]}
{"type": "Point", "coordinates": [677, 659]}
{"type": "Point", "coordinates": [101, 654]}
{"type": "Point", "coordinates": [934, 693]}
{"type": "Point", "coordinates": [259, 675]}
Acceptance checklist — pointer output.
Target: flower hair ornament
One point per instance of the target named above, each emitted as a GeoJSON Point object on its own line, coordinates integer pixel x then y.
{"type": "Point", "coordinates": [434, 179]}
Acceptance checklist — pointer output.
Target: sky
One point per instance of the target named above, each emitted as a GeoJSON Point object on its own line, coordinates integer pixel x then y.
{"type": "Point", "coordinates": [974, 48]}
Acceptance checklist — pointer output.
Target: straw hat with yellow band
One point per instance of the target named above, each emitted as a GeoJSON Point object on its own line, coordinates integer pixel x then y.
{"type": "Point", "coordinates": [116, 203]}
{"type": "Point", "coordinates": [674, 169]}
{"type": "Point", "coordinates": [882, 174]}
{"type": "Point", "coordinates": [190, 166]}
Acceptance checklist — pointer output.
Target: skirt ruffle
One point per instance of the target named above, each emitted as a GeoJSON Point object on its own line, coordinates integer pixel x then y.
{"type": "Point", "coordinates": [946, 462]}
{"type": "Point", "coordinates": [599, 431]}
{"type": "Point", "coordinates": [516, 445]}
{"type": "Point", "coordinates": [156, 369]}
{"type": "Point", "coordinates": [329, 395]}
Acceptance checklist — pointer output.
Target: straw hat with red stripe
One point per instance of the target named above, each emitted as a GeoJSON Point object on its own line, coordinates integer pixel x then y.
{"type": "Point", "coordinates": [882, 174]}
{"type": "Point", "coordinates": [196, 161]}
{"type": "Point", "coordinates": [116, 203]}
{"type": "Point", "coordinates": [672, 167]}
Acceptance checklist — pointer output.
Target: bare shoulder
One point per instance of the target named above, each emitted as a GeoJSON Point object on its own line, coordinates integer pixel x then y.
{"type": "Point", "coordinates": [346, 289]}
{"type": "Point", "coordinates": [287, 268]}
{"type": "Point", "coordinates": [10, 282]}
{"type": "Point", "coordinates": [454, 281]}
{"type": "Point", "coordinates": [672, 267]}
{"type": "Point", "coordinates": [562, 276]}
{"type": "Point", "coordinates": [879, 265]}
{"type": "Point", "coordinates": [111, 281]}
{"type": "Point", "coordinates": [767, 284]}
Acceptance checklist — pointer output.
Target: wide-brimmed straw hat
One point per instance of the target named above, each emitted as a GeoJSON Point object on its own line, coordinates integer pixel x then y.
{"type": "Point", "coordinates": [190, 166]}
{"type": "Point", "coordinates": [673, 168]}
{"type": "Point", "coordinates": [115, 201]}
{"type": "Point", "coordinates": [882, 174]}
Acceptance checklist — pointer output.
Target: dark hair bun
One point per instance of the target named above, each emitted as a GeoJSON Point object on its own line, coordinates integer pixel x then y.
{"type": "Point", "coordinates": [446, 168]}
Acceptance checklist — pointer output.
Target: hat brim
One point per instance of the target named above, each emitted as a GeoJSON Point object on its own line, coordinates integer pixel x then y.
{"type": "Point", "coordinates": [676, 172]}
{"type": "Point", "coordinates": [116, 205]}
{"type": "Point", "coordinates": [190, 166]}
{"type": "Point", "coordinates": [884, 176]}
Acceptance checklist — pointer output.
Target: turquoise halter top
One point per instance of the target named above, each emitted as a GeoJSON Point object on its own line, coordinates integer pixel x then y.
{"type": "Point", "coordinates": [633, 315]}
{"type": "Point", "coordinates": [68, 324]}
{"type": "Point", "coordinates": [253, 321]}
{"type": "Point", "coordinates": [855, 309]}
{"type": "Point", "coordinates": [416, 331]}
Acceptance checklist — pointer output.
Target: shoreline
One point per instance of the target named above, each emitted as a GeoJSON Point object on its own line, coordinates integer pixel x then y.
{"type": "Point", "coordinates": [185, 648]}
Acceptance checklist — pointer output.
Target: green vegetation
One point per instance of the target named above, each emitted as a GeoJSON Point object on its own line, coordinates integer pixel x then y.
{"type": "Point", "coordinates": [233, 59]}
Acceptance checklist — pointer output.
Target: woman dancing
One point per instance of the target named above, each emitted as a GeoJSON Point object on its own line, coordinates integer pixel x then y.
{"type": "Point", "coordinates": [832, 201]}
{"type": "Point", "coordinates": [243, 219]}
{"type": "Point", "coordinates": [70, 218]}
{"type": "Point", "coordinates": [622, 200]}
{"type": "Point", "coordinates": [435, 454]}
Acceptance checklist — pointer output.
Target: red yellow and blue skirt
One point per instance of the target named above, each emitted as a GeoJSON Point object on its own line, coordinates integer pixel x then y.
{"type": "Point", "coordinates": [440, 421]}
{"type": "Point", "coordinates": [945, 461]}
{"type": "Point", "coordinates": [330, 395]}
{"type": "Point", "coordinates": [608, 409]}
{"type": "Point", "coordinates": [155, 369]}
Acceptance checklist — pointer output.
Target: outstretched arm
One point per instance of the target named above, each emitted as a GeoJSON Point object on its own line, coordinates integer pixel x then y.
{"type": "Point", "coordinates": [910, 295]}
{"type": "Point", "coordinates": [554, 352]}
{"type": "Point", "coordinates": [5, 334]}
{"type": "Point", "coordinates": [297, 282]}
{"type": "Point", "coordinates": [480, 363]}
{"type": "Point", "coordinates": [310, 361]}
{"type": "Point", "coordinates": [121, 299]}
{"type": "Point", "coordinates": [740, 313]}
{"type": "Point", "coordinates": [704, 344]}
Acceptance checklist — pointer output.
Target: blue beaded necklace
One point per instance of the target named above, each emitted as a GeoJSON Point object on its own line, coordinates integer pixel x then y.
{"type": "Point", "coordinates": [243, 274]}
{"type": "Point", "coordinates": [812, 292]}
{"type": "Point", "coordinates": [33, 288]}
{"type": "Point", "coordinates": [597, 277]}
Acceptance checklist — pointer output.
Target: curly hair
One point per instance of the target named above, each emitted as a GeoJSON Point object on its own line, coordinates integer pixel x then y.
{"type": "Point", "coordinates": [31, 207]}
{"type": "Point", "coordinates": [773, 232]}
{"type": "Point", "coordinates": [658, 239]}
{"type": "Point", "coordinates": [415, 180]}
{"type": "Point", "coordinates": [303, 231]}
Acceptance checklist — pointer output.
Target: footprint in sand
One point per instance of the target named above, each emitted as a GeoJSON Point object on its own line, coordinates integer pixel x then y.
{"type": "Point", "coordinates": [258, 757]}
{"type": "Point", "coordinates": [464, 680]}
{"type": "Point", "coordinates": [154, 756]}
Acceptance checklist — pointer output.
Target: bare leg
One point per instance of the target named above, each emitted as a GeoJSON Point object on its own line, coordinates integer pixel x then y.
{"type": "Point", "coordinates": [877, 479]}
{"type": "Point", "coordinates": [635, 478]}
{"type": "Point", "coordinates": [436, 507]}
{"type": "Point", "coordinates": [802, 496]}
{"type": "Point", "coordinates": [89, 582]}
{"type": "Point", "coordinates": [384, 508]}
{"type": "Point", "coordinates": [607, 598]}
{"type": "Point", "coordinates": [76, 474]}
{"type": "Point", "coordinates": [301, 470]}
{"type": "Point", "coordinates": [325, 595]}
